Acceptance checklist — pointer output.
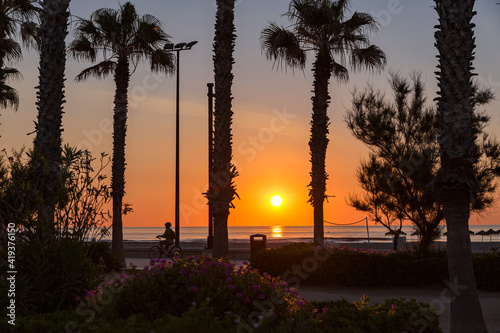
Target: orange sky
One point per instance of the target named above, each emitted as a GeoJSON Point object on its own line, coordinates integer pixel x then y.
{"type": "Point", "coordinates": [272, 112]}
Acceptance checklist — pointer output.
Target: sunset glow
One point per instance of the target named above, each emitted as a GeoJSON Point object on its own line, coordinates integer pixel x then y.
{"type": "Point", "coordinates": [277, 232]}
{"type": "Point", "coordinates": [276, 200]}
{"type": "Point", "coordinates": [272, 113]}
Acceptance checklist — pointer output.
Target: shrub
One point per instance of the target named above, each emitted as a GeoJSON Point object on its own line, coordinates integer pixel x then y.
{"type": "Point", "coordinates": [351, 267]}
{"type": "Point", "coordinates": [51, 258]}
{"type": "Point", "coordinates": [102, 257]}
{"type": "Point", "coordinates": [392, 316]}
{"type": "Point", "coordinates": [487, 271]}
{"type": "Point", "coordinates": [308, 264]}
{"type": "Point", "coordinates": [242, 296]}
{"type": "Point", "coordinates": [52, 277]}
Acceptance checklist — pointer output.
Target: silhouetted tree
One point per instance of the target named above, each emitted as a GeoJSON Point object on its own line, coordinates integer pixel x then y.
{"type": "Point", "coordinates": [322, 26]}
{"type": "Point", "coordinates": [404, 158]}
{"type": "Point", "coordinates": [223, 171]}
{"type": "Point", "coordinates": [456, 179]}
{"type": "Point", "coordinates": [123, 37]}
{"type": "Point", "coordinates": [50, 99]}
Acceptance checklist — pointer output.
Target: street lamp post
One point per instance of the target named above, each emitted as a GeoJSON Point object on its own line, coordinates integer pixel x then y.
{"type": "Point", "coordinates": [177, 48]}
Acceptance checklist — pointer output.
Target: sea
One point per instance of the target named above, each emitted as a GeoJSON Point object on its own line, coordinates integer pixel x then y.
{"type": "Point", "coordinates": [333, 233]}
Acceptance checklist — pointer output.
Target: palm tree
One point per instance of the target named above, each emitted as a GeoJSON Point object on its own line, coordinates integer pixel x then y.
{"type": "Point", "coordinates": [16, 16]}
{"type": "Point", "coordinates": [123, 37]}
{"type": "Point", "coordinates": [223, 190]}
{"type": "Point", "coordinates": [50, 100]}
{"type": "Point", "coordinates": [322, 26]}
{"type": "Point", "coordinates": [456, 178]}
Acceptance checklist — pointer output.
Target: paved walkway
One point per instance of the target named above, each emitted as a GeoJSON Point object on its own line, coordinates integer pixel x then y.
{"type": "Point", "coordinates": [490, 301]}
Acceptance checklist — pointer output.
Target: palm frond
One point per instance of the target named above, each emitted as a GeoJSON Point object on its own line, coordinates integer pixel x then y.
{"type": "Point", "coordinates": [11, 48]}
{"type": "Point", "coordinates": [82, 49]}
{"type": "Point", "coordinates": [282, 46]}
{"type": "Point", "coordinates": [100, 71]}
{"type": "Point", "coordinates": [9, 98]}
{"type": "Point", "coordinates": [162, 61]}
{"type": "Point", "coordinates": [361, 23]}
{"type": "Point", "coordinates": [149, 33]}
{"type": "Point", "coordinates": [128, 15]}
{"type": "Point", "coordinates": [340, 8]}
{"type": "Point", "coordinates": [371, 58]}
{"type": "Point", "coordinates": [11, 74]}
{"type": "Point", "coordinates": [340, 72]}
{"type": "Point", "coordinates": [30, 34]}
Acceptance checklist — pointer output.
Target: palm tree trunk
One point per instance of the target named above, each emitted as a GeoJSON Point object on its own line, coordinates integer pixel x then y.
{"type": "Point", "coordinates": [122, 77]}
{"type": "Point", "coordinates": [54, 23]}
{"type": "Point", "coordinates": [465, 309]}
{"type": "Point", "coordinates": [2, 75]}
{"type": "Point", "coordinates": [318, 143]}
{"type": "Point", "coordinates": [221, 179]}
{"type": "Point", "coordinates": [456, 179]}
{"type": "Point", "coordinates": [425, 241]}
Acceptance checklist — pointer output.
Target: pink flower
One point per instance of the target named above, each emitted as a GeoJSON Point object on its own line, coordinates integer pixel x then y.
{"type": "Point", "coordinates": [193, 288]}
{"type": "Point", "coordinates": [239, 295]}
{"type": "Point", "coordinates": [231, 286]}
{"type": "Point", "coordinates": [256, 287]}
{"type": "Point", "coordinates": [262, 296]}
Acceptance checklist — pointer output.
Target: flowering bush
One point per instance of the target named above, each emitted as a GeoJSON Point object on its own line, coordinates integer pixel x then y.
{"type": "Point", "coordinates": [210, 295]}
{"type": "Point", "coordinates": [240, 296]}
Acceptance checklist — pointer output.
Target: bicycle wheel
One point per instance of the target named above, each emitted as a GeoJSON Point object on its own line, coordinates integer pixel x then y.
{"type": "Point", "coordinates": [155, 252]}
{"type": "Point", "coordinates": [175, 252]}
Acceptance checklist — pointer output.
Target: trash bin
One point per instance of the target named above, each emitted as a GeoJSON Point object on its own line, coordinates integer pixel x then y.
{"type": "Point", "coordinates": [257, 243]}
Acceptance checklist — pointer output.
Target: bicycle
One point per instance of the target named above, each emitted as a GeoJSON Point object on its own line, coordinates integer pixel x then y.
{"type": "Point", "coordinates": [156, 251]}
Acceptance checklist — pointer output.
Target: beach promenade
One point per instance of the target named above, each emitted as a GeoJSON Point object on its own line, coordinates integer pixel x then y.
{"type": "Point", "coordinates": [136, 253]}
{"type": "Point", "coordinates": [241, 250]}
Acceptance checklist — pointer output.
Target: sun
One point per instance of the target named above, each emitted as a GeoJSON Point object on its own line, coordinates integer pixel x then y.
{"type": "Point", "coordinates": [276, 200]}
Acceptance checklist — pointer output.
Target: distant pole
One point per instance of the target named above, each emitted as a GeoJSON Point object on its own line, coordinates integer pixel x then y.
{"type": "Point", "coordinates": [367, 230]}
{"type": "Point", "coordinates": [210, 238]}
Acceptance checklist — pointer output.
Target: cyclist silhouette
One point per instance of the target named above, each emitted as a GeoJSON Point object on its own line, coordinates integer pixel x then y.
{"type": "Point", "coordinates": [169, 236]}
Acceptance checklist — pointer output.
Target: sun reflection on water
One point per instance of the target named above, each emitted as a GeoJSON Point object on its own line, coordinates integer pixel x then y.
{"type": "Point", "coordinates": [277, 232]}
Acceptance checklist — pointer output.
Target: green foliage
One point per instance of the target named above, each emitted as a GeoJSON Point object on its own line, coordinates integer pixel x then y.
{"type": "Point", "coordinates": [101, 256]}
{"type": "Point", "coordinates": [393, 315]}
{"type": "Point", "coordinates": [304, 263]}
{"type": "Point", "coordinates": [80, 212]}
{"type": "Point", "coordinates": [52, 277]}
{"type": "Point", "coordinates": [83, 194]}
{"type": "Point", "coordinates": [397, 179]}
{"type": "Point", "coordinates": [54, 322]}
{"type": "Point", "coordinates": [54, 264]}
